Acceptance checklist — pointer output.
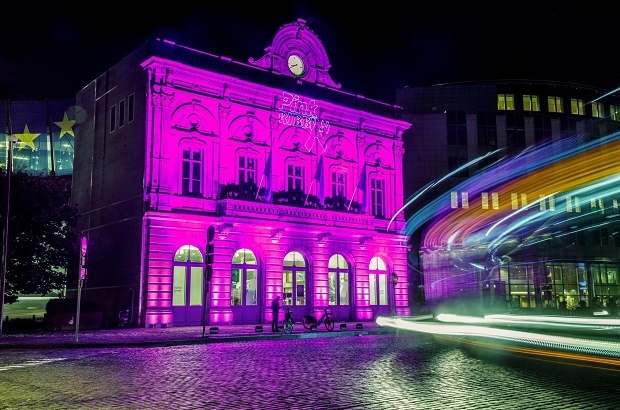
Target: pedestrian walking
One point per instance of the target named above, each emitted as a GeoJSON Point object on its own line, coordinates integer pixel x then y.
{"type": "Point", "coordinates": [275, 311]}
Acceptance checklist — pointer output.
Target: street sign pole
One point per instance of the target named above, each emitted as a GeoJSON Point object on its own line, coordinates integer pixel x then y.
{"type": "Point", "coordinates": [83, 247]}
{"type": "Point", "coordinates": [208, 271]}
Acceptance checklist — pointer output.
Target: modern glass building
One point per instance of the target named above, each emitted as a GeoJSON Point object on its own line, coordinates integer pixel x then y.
{"type": "Point", "coordinates": [43, 136]}
{"type": "Point", "coordinates": [514, 193]}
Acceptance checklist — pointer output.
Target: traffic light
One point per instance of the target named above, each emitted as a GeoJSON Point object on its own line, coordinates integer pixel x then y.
{"type": "Point", "coordinates": [210, 249]}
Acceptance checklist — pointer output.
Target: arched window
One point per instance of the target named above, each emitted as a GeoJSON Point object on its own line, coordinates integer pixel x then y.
{"type": "Point", "coordinates": [191, 171]}
{"type": "Point", "coordinates": [244, 279]}
{"type": "Point", "coordinates": [378, 281]}
{"type": "Point", "coordinates": [294, 279]}
{"type": "Point", "coordinates": [338, 280]}
{"type": "Point", "coordinates": [187, 285]}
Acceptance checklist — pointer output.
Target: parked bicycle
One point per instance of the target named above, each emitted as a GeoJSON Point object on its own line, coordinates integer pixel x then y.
{"type": "Point", "coordinates": [326, 318]}
{"type": "Point", "coordinates": [288, 321]}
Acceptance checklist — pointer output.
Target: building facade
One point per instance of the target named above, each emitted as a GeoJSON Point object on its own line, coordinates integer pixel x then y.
{"type": "Point", "coordinates": [297, 179]}
{"type": "Point", "coordinates": [512, 193]}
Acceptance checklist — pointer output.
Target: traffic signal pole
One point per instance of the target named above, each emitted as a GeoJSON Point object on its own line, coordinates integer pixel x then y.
{"type": "Point", "coordinates": [208, 273]}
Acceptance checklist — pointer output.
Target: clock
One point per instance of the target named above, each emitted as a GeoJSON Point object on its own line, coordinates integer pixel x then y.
{"type": "Point", "coordinates": [296, 65]}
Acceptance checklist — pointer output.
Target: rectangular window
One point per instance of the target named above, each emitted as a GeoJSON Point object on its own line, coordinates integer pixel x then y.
{"type": "Point", "coordinates": [377, 196]}
{"type": "Point", "coordinates": [295, 177]}
{"type": "Point", "coordinates": [130, 107]}
{"type": "Point", "coordinates": [542, 128]}
{"type": "Point", "coordinates": [344, 288]}
{"type": "Point", "coordinates": [191, 178]}
{"type": "Point", "coordinates": [555, 104]}
{"type": "Point", "coordinates": [247, 170]}
{"type": "Point", "coordinates": [515, 130]}
{"type": "Point", "coordinates": [178, 286]}
{"type": "Point", "coordinates": [530, 103]}
{"type": "Point", "coordinates": [455, 163]}
{"type": "Point", "coordinates": [195, 292]}
{"type": "Point", "coordinates": [597, 110]}
{"type": "Point", "coordinates": [577, 106]}
{"type": "Point", "coordinates": [372, 282]}
{"type": "Point", "coordinates": [121, 113]}
{"type": "Point", "coordinates": [113, 118]}
{"type": "Point", "coordinates": [487, 129]}
{"type": "Point", "coordinates": [457, 128]}
{"type": "Point", "coordinates": [505, 102]}
{"type": "Point", "coordinates": [614, 112]}
{"type": "Point", "coordinates": [339, 184]}
{"type": "Point", "coordinates": [332, 277]}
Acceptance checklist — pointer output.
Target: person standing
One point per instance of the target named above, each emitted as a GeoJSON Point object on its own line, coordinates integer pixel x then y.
{"type": "Point", "coordinates": [275, 311]}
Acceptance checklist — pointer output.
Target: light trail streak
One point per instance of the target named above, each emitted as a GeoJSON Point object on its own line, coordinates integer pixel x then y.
{"type": "Point", "coordinates": [579, 360]}
{"type": "Point", "coordinates": [561, 343]}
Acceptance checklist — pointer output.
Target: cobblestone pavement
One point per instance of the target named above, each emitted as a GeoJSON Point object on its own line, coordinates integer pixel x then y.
{"type": "Point", "coordinates": [178, 335]}
{"type": "Point", "coordinates": [366, 371]}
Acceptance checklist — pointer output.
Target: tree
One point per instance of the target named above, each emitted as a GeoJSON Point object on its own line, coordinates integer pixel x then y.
{"type": "Point", "coordinates": [43, 243]}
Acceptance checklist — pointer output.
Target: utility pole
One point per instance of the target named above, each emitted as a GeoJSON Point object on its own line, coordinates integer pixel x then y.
{"type": "Point", "coordinates": [5, 248]}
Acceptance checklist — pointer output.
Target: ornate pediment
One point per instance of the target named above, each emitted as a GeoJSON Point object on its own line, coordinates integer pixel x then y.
{"type": "Point", "coordinates": [297, 52]}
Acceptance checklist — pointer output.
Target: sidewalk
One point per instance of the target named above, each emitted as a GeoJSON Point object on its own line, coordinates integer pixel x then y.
{"type": "Point", "coordinates": [141, 337]}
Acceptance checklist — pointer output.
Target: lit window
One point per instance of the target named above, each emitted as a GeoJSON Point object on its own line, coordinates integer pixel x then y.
{"type": "Point", "coordinates": [555, 104]}
{"type": "Point", "coordinates": [530, 103]}
{"type": "Point", "coordinates": [614, 112]}
{"type": "Point", "coordinates": [294, 279]}
{"type": "Point", "coordinates": [505, 102]}
{"type": "Point", "coordinates": [577, 106]}
{"type": "Point", "coordinates": [597, 110]}
{"type": "Point", "coordinates": [338, 278]}
{"type": "Point", "coordinates": [339, 184]}
{"type": "Point", "coordinates": [244, 279]}
{"type": "Point", "coordinates": [295, 176]}
{"type": "Point", "coordinates": [377, 280]}
{"type": "Point", "coordinates": [377, 197]}
{"type": "Point", "coordinates": [191, 181]}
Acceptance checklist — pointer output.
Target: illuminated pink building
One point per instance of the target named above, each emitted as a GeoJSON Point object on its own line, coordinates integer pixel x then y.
{"type": "Point", "coordinates": [298, 178]}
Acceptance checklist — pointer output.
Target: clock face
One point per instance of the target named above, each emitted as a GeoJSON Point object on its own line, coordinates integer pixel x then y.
{"type": "Point", "coordinates": [296, 65]}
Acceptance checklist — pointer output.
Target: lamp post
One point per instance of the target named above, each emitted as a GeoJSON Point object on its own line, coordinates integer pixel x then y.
{"type": "Point", "coordinates": [5, 252]}
{"type": "Point", "coordinates": [394, 280]}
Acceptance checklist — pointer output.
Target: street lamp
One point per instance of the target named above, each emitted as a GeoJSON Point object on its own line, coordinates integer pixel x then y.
{"type": "Point", "coordinates": [5, 253]}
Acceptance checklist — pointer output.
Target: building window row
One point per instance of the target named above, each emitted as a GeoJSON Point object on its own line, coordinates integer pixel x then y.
{"type": "Point", "coordinates": [122, 113]}
{"type": "Point", "coordinates": [531, 103]}
{"type": "Point", "coordinates": [573, 204]}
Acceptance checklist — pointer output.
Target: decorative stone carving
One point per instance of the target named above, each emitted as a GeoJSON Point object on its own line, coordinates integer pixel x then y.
{"type": "Point", "coordinates": [224, 111]}
{"type": "Point", "coordinates": [360, 140]}
{"type": "Point", "coordinates": [399, 150]}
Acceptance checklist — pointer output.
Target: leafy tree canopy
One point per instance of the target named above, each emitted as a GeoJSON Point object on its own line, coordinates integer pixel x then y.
{"type": "Point", "coordinates": [43, 242]}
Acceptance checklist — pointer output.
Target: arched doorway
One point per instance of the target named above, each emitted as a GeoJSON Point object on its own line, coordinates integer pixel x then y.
{"type": "Point", "coordinates": [187, 286]}
{"type": "Point", "coordinates": [379, 289]}
{"type": "Point", "coordinates": [294, 284]}
{"type": "Point", "coordinates": [339, 287]}
{"type": "Point", "coordinates": [244, 288]}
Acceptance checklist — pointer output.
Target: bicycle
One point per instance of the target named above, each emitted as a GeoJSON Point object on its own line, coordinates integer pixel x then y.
{"type": "Point", "coordinates": [288, 321]}
{"type": "Point", "coordinates": [326, 318]}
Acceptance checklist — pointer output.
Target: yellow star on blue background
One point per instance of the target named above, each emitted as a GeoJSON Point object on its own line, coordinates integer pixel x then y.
{"type": "Point", "coordinates": [66, 126]}
{"type": "Point", "coordinates": [27, 139]}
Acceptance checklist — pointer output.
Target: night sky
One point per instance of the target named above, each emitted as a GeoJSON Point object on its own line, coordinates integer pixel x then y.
{"type": "Point", "coordinates": [52, 50]}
